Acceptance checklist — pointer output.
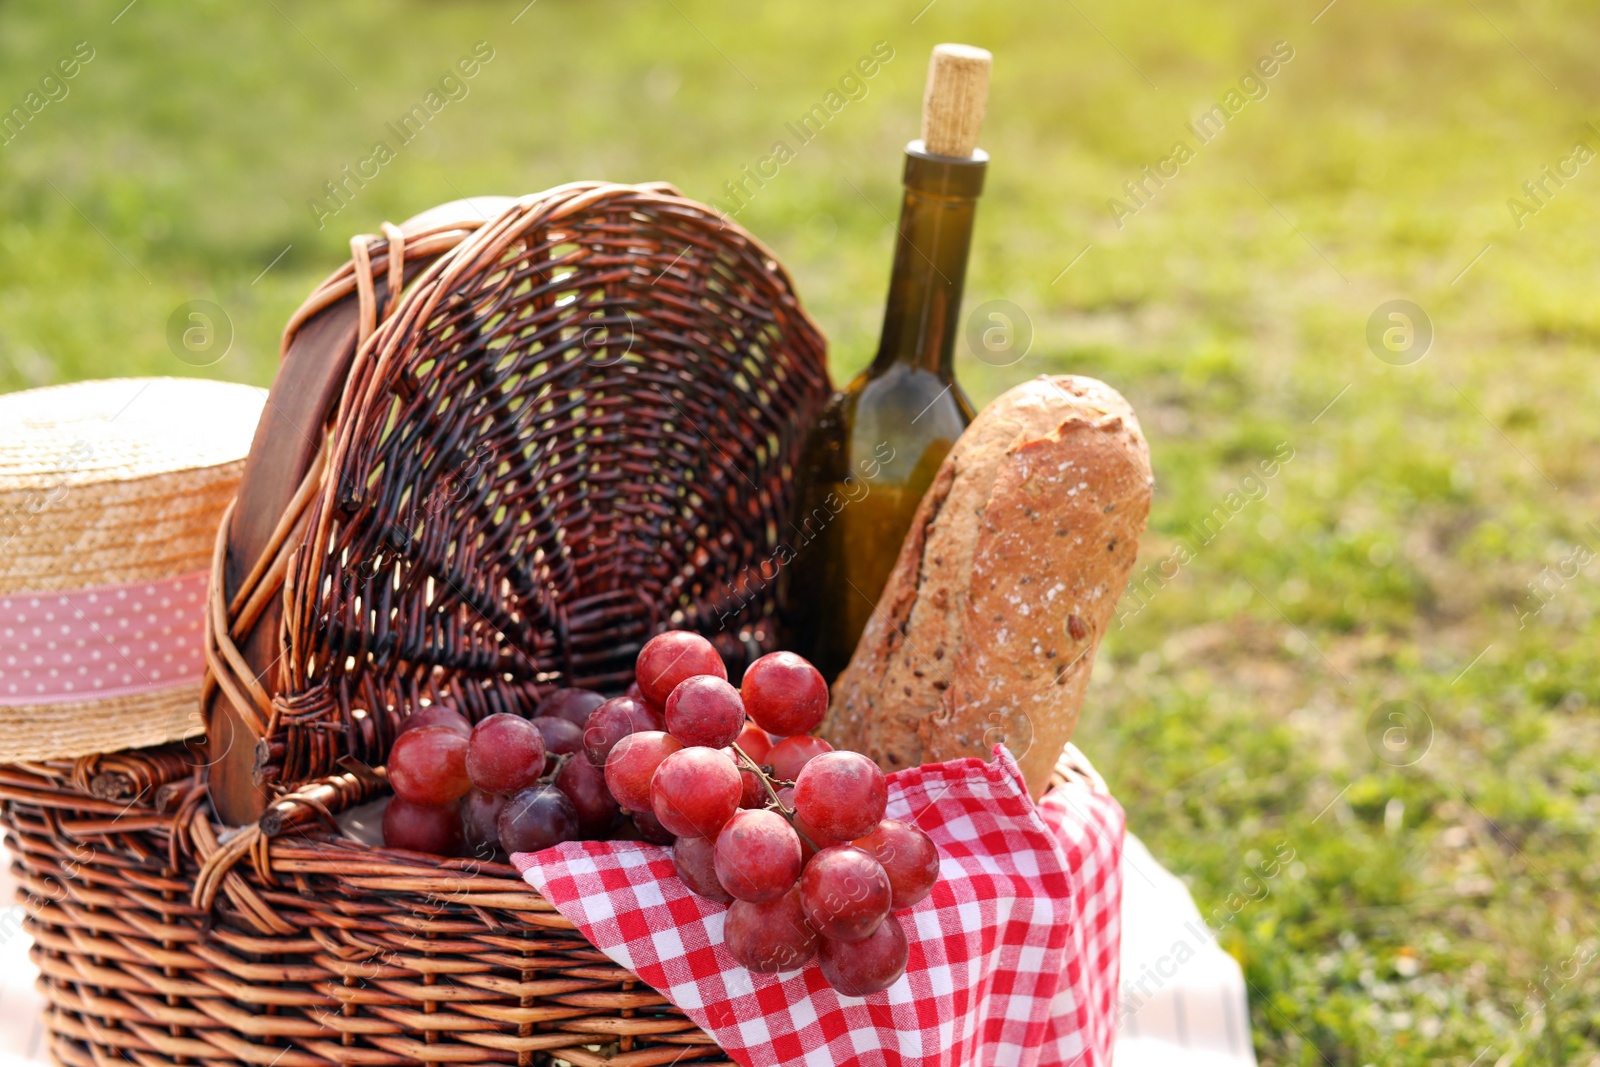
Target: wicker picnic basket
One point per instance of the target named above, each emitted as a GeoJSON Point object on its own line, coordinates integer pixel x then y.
{"type": "Point", "coordinates": [502, 451]}
{"type": "Point", "coordinates": [573, 428]}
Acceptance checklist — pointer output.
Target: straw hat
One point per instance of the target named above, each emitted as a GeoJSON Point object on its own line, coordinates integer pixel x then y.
{"type": "Point", "coordinates": [110, 497]}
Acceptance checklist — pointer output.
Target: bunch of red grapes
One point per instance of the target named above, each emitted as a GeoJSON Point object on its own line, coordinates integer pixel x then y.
{"type": "Point", "coordinates": [790, 833]}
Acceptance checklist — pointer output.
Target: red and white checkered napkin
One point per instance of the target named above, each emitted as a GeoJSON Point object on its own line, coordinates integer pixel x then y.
{"type": "Point", "coordinates": [1013, 955]}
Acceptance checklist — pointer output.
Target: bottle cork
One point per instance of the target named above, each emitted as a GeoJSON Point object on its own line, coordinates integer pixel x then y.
{"type": "Point", "coordinates": [955, 100]}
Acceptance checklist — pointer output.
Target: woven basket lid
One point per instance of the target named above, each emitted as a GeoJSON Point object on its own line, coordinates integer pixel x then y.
{"type": "Point", "coordinates": [110, 497]}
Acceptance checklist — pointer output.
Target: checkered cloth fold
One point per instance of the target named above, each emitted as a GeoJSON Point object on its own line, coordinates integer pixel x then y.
{"type": "Point", "coordinates": [1014, 954]}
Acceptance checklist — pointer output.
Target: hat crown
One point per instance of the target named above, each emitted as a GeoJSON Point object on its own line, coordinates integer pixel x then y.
{"type": "Point", "coordinates": [120, 429]}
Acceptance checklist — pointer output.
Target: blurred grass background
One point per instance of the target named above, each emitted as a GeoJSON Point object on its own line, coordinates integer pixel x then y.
{"type": "Point", "coordinates": [1440, 903]}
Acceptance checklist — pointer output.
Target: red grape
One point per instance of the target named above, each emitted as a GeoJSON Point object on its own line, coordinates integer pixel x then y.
{"type": "Point", "coordinates": [695, 791]}
{"type": "Point", "coordinates": [811, 840]}
{"type": "Point", "coordinates": [758, 856]}
{"type": "Point", "coordinates": [909, 858]}
{"type": "Point", "coordinates": [770, 937]}
{"type": "Point", "coordinates": [858, 968]}
{"type": "Point", "coordinates": [561, 736]}
{"type": "Point", "coordinates": [789, 755]}
{"type": "Point", "coordinates": [695, 858]}
{"type": "Point", "coordinates": [753, 794]}
{"type": "Point", "coordinates": [650, 828]}
{"type": "Point", "coordinates": [755, 742]}
{"type": "Point", "coordinates": [585, 786]}
{"type": "Point", "coordinates": [573, 705]}
{"type": "Point", "coordinates": [422, 827]}
{"type": "Point", "coordinates": [667, 659]}
{"type": "Point", "coordinates": [480, 813]}
{"type": "Point", "coordinates": [428, 765]}
{"type": "Point", "coordinates": [436, 715]}
{"type": "Point", "coordinates": [505, 754]}
{"type": "Point", "coordinates": [842, 794]}
{"type": "Point", "coordinates": [784, 694]}
{"type": "Point", "coordinates": [845, 893]}
{"type": "Point", "coordinates": [705, 710]}
{"type": "Point", "coordinates": [537, 818]}
{"type": "Point", "coordinates": [633, 764]}
{"type": "Point", "coordinates": [633, 692]}
{"type": "Point", "coordinates": [611, 722]}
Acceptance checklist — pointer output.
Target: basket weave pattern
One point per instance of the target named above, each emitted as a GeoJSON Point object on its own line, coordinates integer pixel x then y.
{"type": "Point", "coordinates": [329, 953]}
{"type": "Point", "coordinates": [574, 431]}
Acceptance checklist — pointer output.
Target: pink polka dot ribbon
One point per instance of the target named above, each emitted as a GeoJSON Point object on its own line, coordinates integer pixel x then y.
{"type": "Point", "coordinates": [107, 641]}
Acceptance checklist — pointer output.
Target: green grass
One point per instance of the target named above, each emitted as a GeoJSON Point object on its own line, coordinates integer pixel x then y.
{"type": "Point", "coordinates": [1439, 912]}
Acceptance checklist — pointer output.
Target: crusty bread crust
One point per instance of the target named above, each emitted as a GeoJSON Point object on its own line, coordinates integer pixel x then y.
{"type": "Point", "coordinates": [988, 627]}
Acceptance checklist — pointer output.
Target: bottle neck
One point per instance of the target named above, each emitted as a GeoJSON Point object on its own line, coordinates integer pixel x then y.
{"type": "Point", "coordinates": [930, 262]}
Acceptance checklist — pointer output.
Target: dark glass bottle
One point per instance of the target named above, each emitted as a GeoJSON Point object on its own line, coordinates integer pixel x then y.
{"type": "Point", "coordinates": [879, 443]}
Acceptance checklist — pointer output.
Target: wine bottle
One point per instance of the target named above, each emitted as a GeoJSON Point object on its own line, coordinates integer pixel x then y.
{"type": "Point", "coordinates": [879, 442]}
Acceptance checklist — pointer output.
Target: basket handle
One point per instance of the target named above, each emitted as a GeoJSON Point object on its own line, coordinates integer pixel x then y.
{"type": "Point", "coordinates": [313, 803]}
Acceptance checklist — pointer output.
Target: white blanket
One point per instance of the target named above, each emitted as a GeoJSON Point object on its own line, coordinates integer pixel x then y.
{"type": "Point", "coordinates": [1183, 998]}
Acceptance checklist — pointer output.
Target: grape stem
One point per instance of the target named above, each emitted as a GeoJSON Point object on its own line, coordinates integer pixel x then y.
{"type": "Point", "coordinates": [561, 761]}
{"type": "Point", "coordinates": [765, 781]}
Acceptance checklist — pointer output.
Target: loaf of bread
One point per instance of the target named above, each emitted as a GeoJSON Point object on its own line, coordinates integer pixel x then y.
{"type": "Point", "coordinates": [987, 629]}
